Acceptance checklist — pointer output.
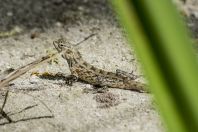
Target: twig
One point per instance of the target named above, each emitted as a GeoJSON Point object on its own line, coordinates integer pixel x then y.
{"type": "Point", "coordinates": [41, 103]}
{"type": "Point", "coordinates": [2, 112]}
{"type": "Point", "coordinates": [22, 70]}
{"type": "Point", "coordinates": [91, 35]}
{"type": "Point", "coordinates": [5, 100]}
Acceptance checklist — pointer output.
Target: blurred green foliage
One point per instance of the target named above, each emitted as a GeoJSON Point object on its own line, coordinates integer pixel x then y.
{"type": "Point", "coordinates": [161, 41]}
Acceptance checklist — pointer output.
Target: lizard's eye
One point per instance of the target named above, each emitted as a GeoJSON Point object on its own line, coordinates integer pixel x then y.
{"type": "Point", "coordinates": [61, 45]}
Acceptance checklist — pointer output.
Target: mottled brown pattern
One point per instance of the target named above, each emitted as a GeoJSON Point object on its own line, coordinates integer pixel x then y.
{"type": "Point", "coordinates": [92, 75]}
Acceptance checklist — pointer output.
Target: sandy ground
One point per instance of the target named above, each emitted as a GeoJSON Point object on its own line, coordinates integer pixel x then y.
{"type": "Point", "coordinates": [40, 105]}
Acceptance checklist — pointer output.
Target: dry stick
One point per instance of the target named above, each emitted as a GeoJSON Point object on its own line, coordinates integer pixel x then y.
{"type": "Point", "coordinates": [52, 115]}
{"type": "Point", "coordinates": [91, 35]}
{"type": "Point", "coordinates": [5, 115]}
{"type": "Point", "coordinates": [2, 111]}
{"type": "Point", "coordinates": [4, 102]}
{"type": "Point", "coordinates": [22, 70]}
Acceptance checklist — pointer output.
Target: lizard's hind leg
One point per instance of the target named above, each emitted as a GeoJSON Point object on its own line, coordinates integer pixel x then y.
{"type": "Point", "coordinates": [100, 88]}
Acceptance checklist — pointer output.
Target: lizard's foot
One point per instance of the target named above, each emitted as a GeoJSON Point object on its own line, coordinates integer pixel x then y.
{"type": "Point", "coordinates": [70, 79]}
{"type": "Point", "coordinates": [126, 74]}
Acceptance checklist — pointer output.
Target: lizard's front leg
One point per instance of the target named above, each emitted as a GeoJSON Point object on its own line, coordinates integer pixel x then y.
{"type": "Point", "coordinates": [70, 79]}
{"type": "Point", "coordinates": [73, 77]}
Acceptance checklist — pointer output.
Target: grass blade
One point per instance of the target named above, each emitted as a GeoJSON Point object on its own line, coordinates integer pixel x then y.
{"type": "Point", "coordinates": [163, 46]}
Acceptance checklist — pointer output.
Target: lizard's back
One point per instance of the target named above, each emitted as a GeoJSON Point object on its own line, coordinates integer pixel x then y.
{"type": "Point", "coordinates": [95, 76]}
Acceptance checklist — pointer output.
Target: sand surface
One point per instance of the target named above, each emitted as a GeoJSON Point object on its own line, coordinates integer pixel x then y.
{"type": "Point", "coordinates": [40, 105]}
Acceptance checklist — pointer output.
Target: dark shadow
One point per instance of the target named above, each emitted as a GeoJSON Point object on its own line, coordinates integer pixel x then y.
{"type": "Point", "coordinates": [27, 119]}
{"type": "Point", "coordinates": [45, 13]}
{"type": "Point", "coordinates": [7, 115]}
{"type": "Point", "coordinates": [51, 76]}
{"type": "Point", "coordinates": [27, 108]}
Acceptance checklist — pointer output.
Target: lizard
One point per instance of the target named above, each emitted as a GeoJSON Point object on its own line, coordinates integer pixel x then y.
{"type": "Point", "coordinates": [83, 71]}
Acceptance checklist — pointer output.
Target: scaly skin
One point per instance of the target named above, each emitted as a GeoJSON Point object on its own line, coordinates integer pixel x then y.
{"type": "Point", "coordinates": [84, 71]}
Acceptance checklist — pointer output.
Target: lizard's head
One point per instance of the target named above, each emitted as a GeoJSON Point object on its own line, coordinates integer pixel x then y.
{"type": "Point", "coordinates": [62, 44]}
{"type": "Point", "coordinates": [69, 51]}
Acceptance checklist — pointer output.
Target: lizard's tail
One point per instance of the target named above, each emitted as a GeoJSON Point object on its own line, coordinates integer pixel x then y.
{"type": "Point", "coordinates": [138, 86]}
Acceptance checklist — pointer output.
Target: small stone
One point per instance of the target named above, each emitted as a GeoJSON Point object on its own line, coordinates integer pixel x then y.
{"type": "Point", "coordinates": [9, 14]}
{"type": "Point", "coordinates": [33, 79]}
{"type": "Point", "coordinates": [58, 24]}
